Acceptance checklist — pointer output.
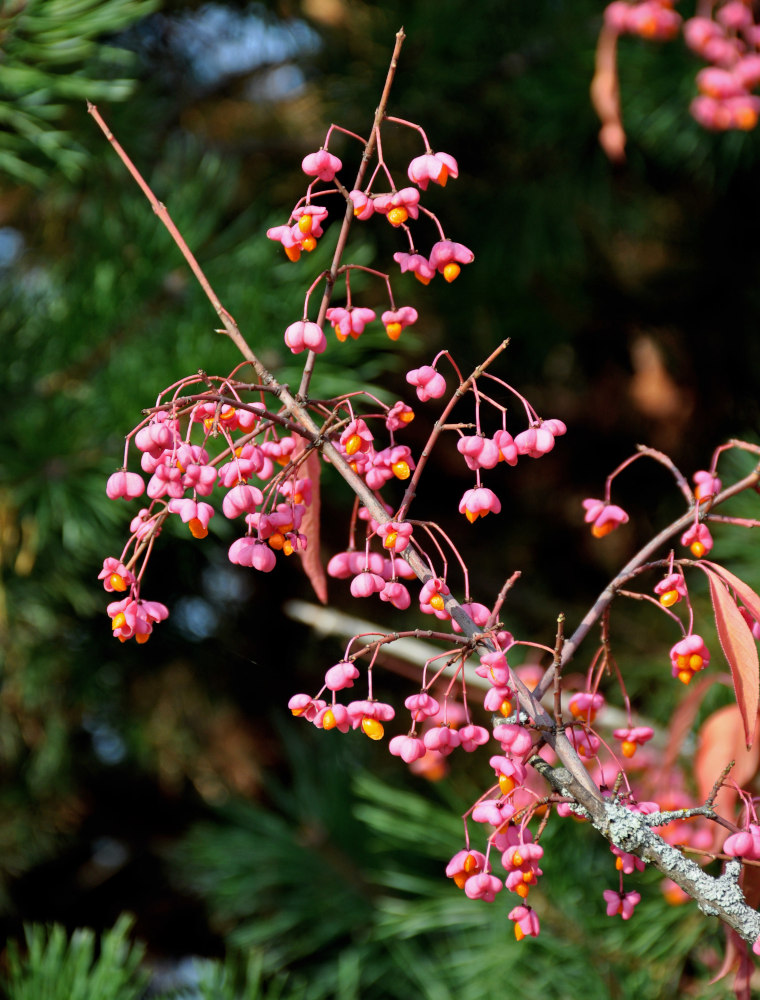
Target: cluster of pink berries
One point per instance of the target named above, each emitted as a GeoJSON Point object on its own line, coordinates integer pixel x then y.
{"type": "Point", "coordinates": [436, 729]}
{"type": "Point", "coordinates": [604, 516]}
{"type": "Point", "coordinates": [305, 226]}
{"type": "Point", "coordinates": [259, 471]}
{"type": "Point", "coordinates": [728, 40]}
{"type": "Point", "coordinates": [482, 452]}
{"type": "Point", "coordinates": [181, 472]}
{"type": "Point", "coordinates": [730, 43]}
{"type": "Point", "coordinates": [471, 870]}
{"type": "Point", "coordinates": [260, 474]}
{"type": "Point", "coordinates": [438, 738]}
{"type": "Point", "coordinates": [259, 461]}
{"type": "Point", "coordinates": [690, 655]}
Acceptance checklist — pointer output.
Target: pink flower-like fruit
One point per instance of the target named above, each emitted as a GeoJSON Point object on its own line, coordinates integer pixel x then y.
{"type": "Point", "coordinates": [435, 167]}
{"type": "Point", "coordinates": [321, 164]}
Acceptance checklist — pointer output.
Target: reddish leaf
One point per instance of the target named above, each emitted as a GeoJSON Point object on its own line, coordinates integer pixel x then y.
{"type": "Point", "coordinates": [720, 740]}
{"type": "Point", "coordinates": [743, 591]}
{"type": "Point", "coordinates": [739, 647]}
{"type": "Point", "coordinates": [743, 974]}
{"type": "Point", "coordinates": [737, 957]}
{"type": "Point", "coordinates": [734, 946]}
{"type": "Point", "coordinates": [310, 559]}
{"type": "Point", "coordinates": [605, 97]}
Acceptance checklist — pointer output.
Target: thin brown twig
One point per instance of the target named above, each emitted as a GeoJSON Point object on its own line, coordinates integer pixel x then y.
{"type": "Point", "coordinates": [710, 800]}
{"type": "Point", "coordinates": [440, 424]}
{"type": "Point", "coordinates": [643, 556]}
{"type": "Point", "coordinates": [348, 218]}
{"type": "Point", "coordinates": [415, 633]}
{"type": "Point", "coordinates": [714, 856]}
{"type": "Point", "coordinates": [557, 669]}
{"type": "Point", "coordinates": [508, 585]}
{"type": "Point", "coordinates": [216, 397]}
{"type": "Point", "coordinates": [161, 211]}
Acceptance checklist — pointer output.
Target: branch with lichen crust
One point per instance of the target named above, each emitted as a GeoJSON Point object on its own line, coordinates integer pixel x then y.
{"type": "Point", "coordinates": [719, 896]}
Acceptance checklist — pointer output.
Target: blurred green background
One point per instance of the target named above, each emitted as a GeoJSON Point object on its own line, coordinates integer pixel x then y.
{"type": "Point", "coordinates": [165, 780]}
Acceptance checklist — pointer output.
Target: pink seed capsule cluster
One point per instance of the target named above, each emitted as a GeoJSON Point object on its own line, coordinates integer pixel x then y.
{"type": "Point", "coordinates": [252, 453]}
{"type": "Point", "coordinates": [725, 35]}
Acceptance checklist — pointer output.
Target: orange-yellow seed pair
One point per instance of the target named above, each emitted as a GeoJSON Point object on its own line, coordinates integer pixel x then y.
{"type": "Point", "coordinates": [305, 225]}
{"type": "Point", "coordinates": [693, 662]}
{"type": "Point", "coordinates": [470, 867]}
{"type": "Point", "coordinates": [688, 666]}
{"type": "Point", "coordinates": [280, 543]}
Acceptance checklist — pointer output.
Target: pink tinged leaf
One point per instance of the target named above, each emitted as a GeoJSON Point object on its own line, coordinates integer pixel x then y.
{"type": "Point", "coordinates": [310, 558]}
{"type": "Point", "coordinates": [739, 648]}
{"type": "Point", "coordinates": [741, 986]}
{"type": "Point", "coordinates": [720, 740]}
{"type": "Point", "coordinates": [743, 591]}
{"type": "Point", "coordinates": [734, 947]}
